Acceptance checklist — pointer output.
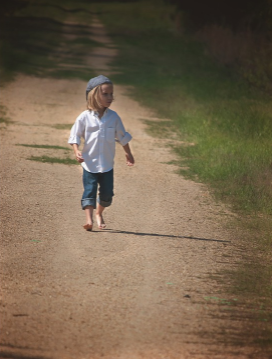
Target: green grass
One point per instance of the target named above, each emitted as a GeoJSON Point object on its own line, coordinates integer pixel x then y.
{"type": "Point", "coordinates": [210, 106]}
{"type": "Point", "coordinates": [47, 159]}
{"type": "Point", "coordinates": [43, 146]}
{"type": "Point", "coordinates": [63, 126]}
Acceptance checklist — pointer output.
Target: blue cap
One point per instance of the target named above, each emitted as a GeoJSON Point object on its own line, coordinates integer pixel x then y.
{"type": "Point", "coordinates": [96, 81]}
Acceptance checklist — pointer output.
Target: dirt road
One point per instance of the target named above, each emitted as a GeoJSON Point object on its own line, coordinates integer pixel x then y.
{"type": "Point", "coordinates": [143, 287]}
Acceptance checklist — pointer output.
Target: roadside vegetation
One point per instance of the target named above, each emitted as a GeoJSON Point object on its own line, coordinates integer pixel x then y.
{"type": "Point", "coordinates": [223, 112]}
{"type": "Point", "coordinates": [52, 160]}
{"type": "Point", "coordinates": [225, 119]}
{"type": "Point", "coordinates": [51, 147]}
{"type": "Point", "coordinates": [64, 158]}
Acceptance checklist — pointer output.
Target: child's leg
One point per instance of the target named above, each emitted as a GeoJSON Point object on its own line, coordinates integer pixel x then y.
{"type": "Point", "coordinates": [89, 218]}
{"type": "Point", "coordinates": [99, 218]}
{"type": "Point", "coordinates": [89, 214]}
{"type": "Point", "coordinates": [88, 200]}
{"type": "Point", "coordinates": [105, 196]}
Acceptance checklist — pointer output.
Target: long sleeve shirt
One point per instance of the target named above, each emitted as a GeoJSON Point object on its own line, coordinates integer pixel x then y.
{"type": "Point", "coordinates": [99, 135]}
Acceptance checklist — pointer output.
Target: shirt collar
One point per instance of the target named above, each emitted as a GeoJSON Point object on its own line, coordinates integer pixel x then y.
{"type": "Point", "coordinates": [97, 114]}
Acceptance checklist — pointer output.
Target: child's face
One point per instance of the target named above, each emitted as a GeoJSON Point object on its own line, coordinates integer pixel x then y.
{"type": "Point", "coordinates": [106, 95]}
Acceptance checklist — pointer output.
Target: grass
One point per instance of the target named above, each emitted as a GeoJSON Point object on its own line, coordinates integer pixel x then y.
{"type": "Point", "coordinates": [52, 160]}
{"type": "Point", "coordinates": [43, 146]}
{"type": "Point", "coordinates": [229, 122]}
{"type": "Point", "coordinates": [48, 159]}
{"type": "Point", "coordinates": [210, 106]}
{"type": "Point", "coordinates": [62, 126]}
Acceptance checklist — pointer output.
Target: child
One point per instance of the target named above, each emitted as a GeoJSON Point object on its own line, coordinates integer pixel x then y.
{"type": "Point", "coordinates": [99, 127]}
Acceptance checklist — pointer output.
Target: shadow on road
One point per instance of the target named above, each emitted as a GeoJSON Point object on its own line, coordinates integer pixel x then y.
{"type": "Point", "coordinates": [168, 236]}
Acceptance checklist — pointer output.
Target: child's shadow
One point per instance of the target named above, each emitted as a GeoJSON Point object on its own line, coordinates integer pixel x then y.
{"type": "Point", "coordinates": [167, 236]}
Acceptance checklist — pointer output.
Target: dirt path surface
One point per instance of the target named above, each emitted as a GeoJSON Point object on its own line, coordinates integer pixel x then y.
{"type": "Point", "coordinates": [138, 289]}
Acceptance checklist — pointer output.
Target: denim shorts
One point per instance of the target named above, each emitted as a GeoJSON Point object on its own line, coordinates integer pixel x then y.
{"type": "Point", "coordinates": [103, 182]}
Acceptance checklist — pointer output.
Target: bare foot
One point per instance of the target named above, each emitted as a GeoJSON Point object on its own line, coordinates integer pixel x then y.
{"type": "Point", "coordinates": [88, 227]}
{"type": "Point", "coordinates": [100, 221]}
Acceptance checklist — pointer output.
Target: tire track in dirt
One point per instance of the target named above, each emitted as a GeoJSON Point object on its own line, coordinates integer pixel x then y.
{"type": "Point", "coordinates": [135, 290]}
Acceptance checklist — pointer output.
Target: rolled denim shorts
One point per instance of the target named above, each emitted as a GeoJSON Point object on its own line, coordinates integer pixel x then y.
{"type": "Point", "coordinates": [103, 182]}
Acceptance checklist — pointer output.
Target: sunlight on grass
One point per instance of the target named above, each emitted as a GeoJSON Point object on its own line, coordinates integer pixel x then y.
{"type": "Point", "coordinates": [47, 159]}
{"type": "Point", "coordinates": [63, 126]}
{"type": "Point", "coordinates": [44, 146]}
{"type": "Point", "coordinates": [229, 122]}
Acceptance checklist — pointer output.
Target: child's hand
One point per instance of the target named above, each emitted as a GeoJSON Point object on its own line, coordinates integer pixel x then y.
{"type": "Point", "coordinates": [130, 159]}
{"type": "Point", "coordinates": [79, 157]}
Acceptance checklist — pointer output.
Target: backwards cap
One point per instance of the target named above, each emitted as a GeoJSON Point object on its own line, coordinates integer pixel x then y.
{"type": "Point", "coordinates": [96, 81]}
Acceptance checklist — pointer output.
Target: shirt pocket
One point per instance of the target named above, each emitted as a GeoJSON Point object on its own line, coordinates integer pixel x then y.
{"type": "Point", "coordinates": [110, 134]}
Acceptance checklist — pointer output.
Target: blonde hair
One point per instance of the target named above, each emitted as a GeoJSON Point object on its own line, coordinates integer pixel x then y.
{"type": "Point", "coordinates": [93, 102]}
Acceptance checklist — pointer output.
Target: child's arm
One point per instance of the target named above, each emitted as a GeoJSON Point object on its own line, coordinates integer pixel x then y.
{"type": "Point", "coordinates": [78, 153]}
{"type": "Point", "coordinates": [123, 138]}
{"type": "Point", "coordinates": [129, 156]}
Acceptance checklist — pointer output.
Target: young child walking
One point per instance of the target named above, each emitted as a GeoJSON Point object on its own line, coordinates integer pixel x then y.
{"type": "Point", "coordinates": [100, 127]}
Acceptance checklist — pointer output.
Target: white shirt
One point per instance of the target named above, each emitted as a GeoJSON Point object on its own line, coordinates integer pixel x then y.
{"type": "Point", "coordinates": [99, 136]}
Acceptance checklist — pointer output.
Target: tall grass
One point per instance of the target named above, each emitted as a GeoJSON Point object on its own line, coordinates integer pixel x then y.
{"type": "Point", "coordinates": [229, 122]}
{"type": "Point", "coordinates": [247, 51]}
